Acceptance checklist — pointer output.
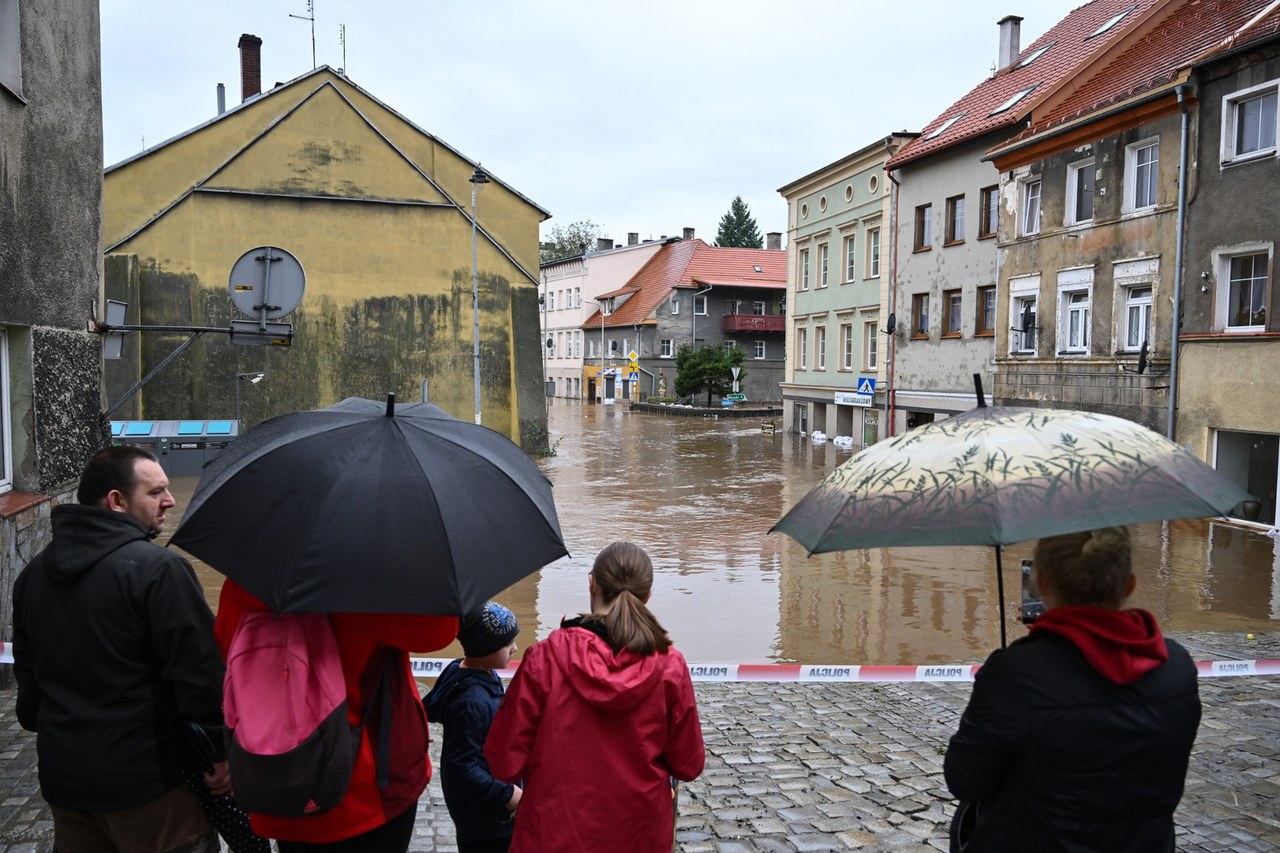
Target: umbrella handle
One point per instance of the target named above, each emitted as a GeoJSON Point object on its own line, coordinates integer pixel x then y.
{"type": "Point", "coordinates": [391, 404]}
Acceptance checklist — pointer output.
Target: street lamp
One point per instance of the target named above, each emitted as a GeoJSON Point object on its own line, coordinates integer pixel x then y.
{"type": "Point", "coordinates": [254, 378]}
{"type": "Point", "coordinates": [478, 179]}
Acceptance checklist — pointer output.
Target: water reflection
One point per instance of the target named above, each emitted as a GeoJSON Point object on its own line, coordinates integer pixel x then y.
{"type": "Point", "coordinates": [700, 494]}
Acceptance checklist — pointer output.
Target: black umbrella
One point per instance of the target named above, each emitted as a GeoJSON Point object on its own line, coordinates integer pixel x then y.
{"type": "Point", "coordinates": [361, 507]}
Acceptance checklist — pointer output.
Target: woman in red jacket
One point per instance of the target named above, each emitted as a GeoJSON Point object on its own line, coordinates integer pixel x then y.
{"type": "Point", "coordinates": [605, 703]}
{"type": "Point", "coordinates": [368, 818]}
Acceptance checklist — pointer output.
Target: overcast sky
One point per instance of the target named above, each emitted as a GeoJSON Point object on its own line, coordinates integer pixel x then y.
{"type": "Point", "coordinates": [645, 116]}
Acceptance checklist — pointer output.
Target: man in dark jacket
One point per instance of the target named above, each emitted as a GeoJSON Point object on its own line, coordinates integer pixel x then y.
{"type": "Point", "coordinates": [114, 655]}
{"type": "Point", "coordinates": [1077, 737]}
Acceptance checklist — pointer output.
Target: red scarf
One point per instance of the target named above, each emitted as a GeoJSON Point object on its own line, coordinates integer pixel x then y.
{"type": "Point", "coordinates": [1122, 645]}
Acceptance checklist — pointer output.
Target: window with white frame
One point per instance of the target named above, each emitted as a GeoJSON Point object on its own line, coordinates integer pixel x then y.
{"type": "Point", "coordinates": [758, 350]}
{"type": "Point", "coordinates": [1244, 288]}
{"type": "Point", "coordinates": [873, 253]}
{"type": "Point", "coordinates": [1023, 293]}
{"type": "Point", "coordinates": [6, 444]}
{"type": "Point", "coordinates": [1141, 170]}
{"type": "Point", "coordinates": [577, 297]}
{"type": "Point", "coordinates": [1137, 316]}
{"type": "Point", "coordinates": [551, 300]}
{"type": "Point", "coordinates": [559, 348]}
{"type": "Point", "coordinates": [700, 306]}
{"type": "Point", "coordinates": [1031, 207]}
{"type": "Point", "coordinates": [846, 346]}
{"type": "Point", "coordinates": [1075, 310]}
{"type": "Point", "coordinates": [804, 269]}
{"type": "Point", "coordinates": [870, 345]}
{"type": "Point", "coordinates": [802, 349]}
{"type": "Point", "coordinates": [675, 304]}
{"type": "Point", "coordinates": [820, 348]}
{"type": "Point", "coordinates": [1249, 123]}
{"type": "Point", "coordinates": [823, 265]}
{"type": "Point", "coordinates": [577, 344]}
{"type": "Point", "coordinates": [758, 308]}
{"type": "Point", "coordinates": [729, 347]}
{"type": "Point", "coordinates": [850, 267]}
{"type": "Point", "coordinates": [593, 348]}
{"type": "Point", "coordinates": [664, 348]}
{"type": "Point", "coordinates": [1080, 180]}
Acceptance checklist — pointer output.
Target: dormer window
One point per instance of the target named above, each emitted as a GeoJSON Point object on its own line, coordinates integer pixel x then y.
{"type": "Point", "coordinates": [1013, 100]}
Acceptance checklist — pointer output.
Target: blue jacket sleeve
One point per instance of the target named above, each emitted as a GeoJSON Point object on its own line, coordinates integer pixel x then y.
{"type": "Point", "coordinates": [468, 719]}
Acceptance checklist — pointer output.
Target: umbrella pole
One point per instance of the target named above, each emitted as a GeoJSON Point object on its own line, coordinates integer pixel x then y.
{"type": "Point", "coordinates": [1000, 592]}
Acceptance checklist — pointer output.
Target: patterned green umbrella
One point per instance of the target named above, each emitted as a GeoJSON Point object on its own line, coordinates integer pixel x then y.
{"type": "Point", "coordinates": [995, 476]}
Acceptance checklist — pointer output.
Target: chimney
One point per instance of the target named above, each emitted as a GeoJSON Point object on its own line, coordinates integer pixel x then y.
{"type": "Point", "coordinates": [633, 238]}
{"type": "Point", "coordinates": [250, 66]}
{"type": "Point", "coordinates": [603, 244]}
{"type": "Point", "coordinates": [773, 240]}
{"type": "Point", "coordinates": [222, 99]}
{"type": "Point", "coordinates": [688, 233]}
{"type": "Point", "coordinates": [1010, 27]}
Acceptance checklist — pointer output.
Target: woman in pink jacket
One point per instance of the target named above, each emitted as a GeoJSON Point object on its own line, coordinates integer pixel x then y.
{"type": "Point", "coordinates": [605, 703]}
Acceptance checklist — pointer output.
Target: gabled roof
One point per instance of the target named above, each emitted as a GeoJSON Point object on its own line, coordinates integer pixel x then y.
{"type": "Point", "coordinates": [690, 264]}
{"type": "Point", "coordinates": [1264, 25]}
{"type": "Point", "coordinates": [1007, 97]}
{"type": "Point", "coordinates": [1158, 57]}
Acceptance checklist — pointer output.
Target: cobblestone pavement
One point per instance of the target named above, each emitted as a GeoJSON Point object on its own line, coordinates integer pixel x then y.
{"type": "Point", "coordinates": [811, 767]}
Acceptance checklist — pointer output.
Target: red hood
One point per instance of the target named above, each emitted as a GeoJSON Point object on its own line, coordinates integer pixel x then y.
{"type": "Point", "coordinates": [1122, 645]}
{"type": "Point", "coordinates": [615, 681]}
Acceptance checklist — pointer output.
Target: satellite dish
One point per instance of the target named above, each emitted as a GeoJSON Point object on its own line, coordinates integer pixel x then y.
{"type": "Point", "coordinates": [267, 283]}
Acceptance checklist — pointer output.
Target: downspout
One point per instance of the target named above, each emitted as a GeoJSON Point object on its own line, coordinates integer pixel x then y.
{"type": "Point", "coordinates": [893, 298]}
{"type": "Point", "coordinates": [1177, 263]}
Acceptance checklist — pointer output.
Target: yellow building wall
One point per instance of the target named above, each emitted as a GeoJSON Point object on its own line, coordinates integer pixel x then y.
{"type": "Point", "coordinates": [1219, 383]}
{"type": "Point", "coordinates": [377, 213]}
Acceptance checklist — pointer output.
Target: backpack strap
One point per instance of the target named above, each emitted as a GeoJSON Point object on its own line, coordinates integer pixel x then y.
{"type": "Point", "coordinates": [382, 697]}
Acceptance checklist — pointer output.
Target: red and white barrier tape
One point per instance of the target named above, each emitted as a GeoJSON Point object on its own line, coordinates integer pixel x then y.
{"type": "Point", "coordinates": [808, 673]}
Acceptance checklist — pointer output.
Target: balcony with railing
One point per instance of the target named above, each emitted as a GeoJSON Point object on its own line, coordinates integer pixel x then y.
{"type": "Point", "coordinates": [754, 323]}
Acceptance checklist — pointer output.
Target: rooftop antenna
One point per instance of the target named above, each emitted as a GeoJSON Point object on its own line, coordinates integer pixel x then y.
{"type": "Point", "coordinates": [310, 16]}
{"type": "Point", "coordinates": [342, 38]}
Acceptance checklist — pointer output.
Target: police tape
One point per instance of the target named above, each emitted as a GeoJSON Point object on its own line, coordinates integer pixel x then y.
{"type": "Point", "coordinates": [813, 673]}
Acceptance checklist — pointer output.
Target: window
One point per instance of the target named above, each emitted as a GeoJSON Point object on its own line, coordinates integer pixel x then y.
{"type": "Point", "coordinates": [942, 128]}
{"type": "Point", "coordinates": [10, 48]}
{"type": "Point", "coordinates": [955, 220]}
{"type": "Point", "coordinates": [1249, 123]}
{"type": "Point", "coordinates": [664, 348]}
{"type": "Point", "coordinates": [1035, 54]}
{"type": "Point", "coordinates": [850, 270]}
{"type": "Point", "coordinates": [759, 350]}
{"type": "Point", "coordinates": [871, 342]}
{"type": "Point", "coordinates": [820, 348]}
{"type": "Point", "coordinates": [1110, 22]}
{"type": "Point", "coordinates": [920, 315]}
{"type": "Point", "coordinates": [757, 308]}
{"type": "Point", "coordinates": [846, 346]}
{"type": "Point", "coordinates": [1031, 208]}
{"type": "Point", "coordinates": [559, 347]}
{"type": "Point", "coordinates": [593, 348]}
{"type": "Point", "coordinates": [823, 257]}
{"type": "Point", "coordinates": [1140, 172]}
{"type": "Point", "coordinates": [804, 269]}
{"type": "Point", "coordinates": [729, 347]}
{"type": "Point", "coordinates": [551, 300]}
{"type": "Point", "coordinates": [985, 322]}
{"type": "Point", "coordinates": [6, 447]}
{"type": "Point", "coordinates": [1013, 99]}
{"type": "Point", "coordinates": [1247, 292]}
{"type": "Point", "coordinates": [873, 253]}
{"type": "Point", "coordinates": [1024, 333]}
{"type": "Point", "coordinates": [1080, 179]}
{"type": "Point", "coordinates": [675, 304]}
{"type": "Point", "coordinates": [577, 297]}
{"type": "Point", "coordinates": [1137, 317]}
{"type": "Point", "coordinates": [951, 313]}
{"type": "Point", "coordinates": [577, 344]}
{"type": "Point", "coordinates": [802, 349]}
{"type": "Point", "coordinates": [700, 306]}
{"type": "Point", "coordinates": [989, 197]}
{"type": "Point", "coordinates": [1074, 326]}
{"type": "Point", "coordinates": [924, 227]}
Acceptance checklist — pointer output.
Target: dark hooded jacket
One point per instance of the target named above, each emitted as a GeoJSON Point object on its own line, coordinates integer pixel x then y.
{"type": "Point", "coordinates": [1077, 737]}
{"type": "Point", "coordinates": [114, 654]}
{"type": "Point", "coordinates": [464, 701]}
{"type": "Point", "coordinates": [596, 735]}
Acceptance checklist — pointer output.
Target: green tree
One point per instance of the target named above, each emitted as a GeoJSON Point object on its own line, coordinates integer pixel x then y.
{"type": "Point", "coordinates": [563, 241]}
{"type": "Point", "coordinates": [738, 228]}
{"type": "Point", "coordinates": [709, 366]}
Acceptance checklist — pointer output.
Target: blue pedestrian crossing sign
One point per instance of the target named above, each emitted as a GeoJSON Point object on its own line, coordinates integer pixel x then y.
{"type": "Point", "coordinates": [634, 376]}
{"type": "Point", "coordinates": [866, 386]}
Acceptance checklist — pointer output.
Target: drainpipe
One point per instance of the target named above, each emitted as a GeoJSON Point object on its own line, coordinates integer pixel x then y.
{"type": "Point", "coordinates": [1177, 263]}
{"type": "Point", "coordinates": [893, 298]}
{"type": "Point", "coordinates": [694, 312]}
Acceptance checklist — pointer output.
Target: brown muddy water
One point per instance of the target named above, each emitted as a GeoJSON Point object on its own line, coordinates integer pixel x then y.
{"type": "Point", "coordinates": [700, 496]}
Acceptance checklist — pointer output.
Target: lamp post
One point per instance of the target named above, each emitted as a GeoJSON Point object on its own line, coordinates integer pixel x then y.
{"type": "Point", "coordinates": [254, 377]}
{"type": "Point", "coordinates": [478, 179]}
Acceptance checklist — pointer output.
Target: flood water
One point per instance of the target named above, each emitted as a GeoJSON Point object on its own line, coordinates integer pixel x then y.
{"type": "Point", "coordinates": [700, 496]}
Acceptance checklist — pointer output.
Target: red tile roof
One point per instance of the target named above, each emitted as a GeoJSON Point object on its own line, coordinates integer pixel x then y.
{"type": "Point", "coordinates": [1156, 57]}
{"type": "Point", "coordinates": [1072, 46]}
{"type": "Point", "coordinates": [690, 264]}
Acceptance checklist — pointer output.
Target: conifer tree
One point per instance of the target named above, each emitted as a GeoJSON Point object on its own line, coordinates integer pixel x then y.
{"type": "Point", "coordinates": [738, 229]}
